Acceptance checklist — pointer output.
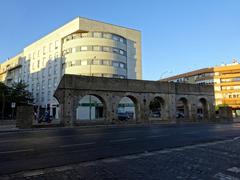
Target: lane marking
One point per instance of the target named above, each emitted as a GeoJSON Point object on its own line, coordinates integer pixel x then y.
{"type": "Point", "coordinates": [122, 140]}
{"type": "Point", "coordinates": [79, 144]}
{"type": "Point", "coordinates": [63, 168]}
{"type": "Point", "coordinates": [33, 173]}
{"type": "Point", "coordinates": [16, 151]}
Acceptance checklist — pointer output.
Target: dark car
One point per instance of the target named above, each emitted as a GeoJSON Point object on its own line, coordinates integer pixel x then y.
{"type": "Point", "coordinates": [156, 114]}
{"type": "Point", "coordinates": [125, 115]}
{"type": "Point", "coordinates": [180, 115]}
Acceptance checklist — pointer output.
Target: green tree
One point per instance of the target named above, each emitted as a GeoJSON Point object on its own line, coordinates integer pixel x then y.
{"type": "Point", "coordinates": [19, 94]}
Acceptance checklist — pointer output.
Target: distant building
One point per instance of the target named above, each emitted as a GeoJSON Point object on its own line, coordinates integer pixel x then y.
{"type": "Point", "coordinates": [10, 70]}
{"type": "Point", "coordinates": [226, 81]}
{"type": "Point", "coordinates": [81, 47]}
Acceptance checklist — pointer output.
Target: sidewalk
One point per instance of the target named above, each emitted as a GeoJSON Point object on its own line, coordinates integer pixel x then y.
{"type": "Point", "coordinates": [56, 125]}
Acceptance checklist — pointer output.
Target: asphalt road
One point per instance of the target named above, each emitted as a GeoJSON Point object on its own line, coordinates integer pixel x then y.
{"type": "Point", "coordinates": [36, 149]}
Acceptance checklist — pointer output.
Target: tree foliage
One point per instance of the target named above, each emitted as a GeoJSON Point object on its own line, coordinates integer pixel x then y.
{"type": "Point", "coordinates": [17, 93]}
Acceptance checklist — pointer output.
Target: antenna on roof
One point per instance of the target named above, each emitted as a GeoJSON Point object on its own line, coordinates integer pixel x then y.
{"type": "Point", "coordinates": [234, 61]}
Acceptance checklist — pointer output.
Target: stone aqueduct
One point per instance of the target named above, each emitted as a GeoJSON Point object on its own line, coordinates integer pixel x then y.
{"type": "Point", "coordinates": [110, 91]}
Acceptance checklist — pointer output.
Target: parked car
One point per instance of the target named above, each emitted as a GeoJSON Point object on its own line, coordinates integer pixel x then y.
{"type": "Point", "coordinates": [199, 115]}
{"type": "Point", "coordinates": [155, 114]}
{"type": "Point", "coordinates": [180, 115]}
{"type": "Point", "coordinates": [125, 115]}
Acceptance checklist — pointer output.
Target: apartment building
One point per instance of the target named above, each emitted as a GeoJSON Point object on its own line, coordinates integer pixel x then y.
{"type": "Point", "coordinates": [226, 81]}
{"type": "Point", "coordinates": [82, 47]}
{"type": "Point", "coordinates": [10, 70]}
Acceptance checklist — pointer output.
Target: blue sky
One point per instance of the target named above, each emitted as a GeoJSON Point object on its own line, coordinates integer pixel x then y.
{"type": "Point", "coordinates": [177, 35]}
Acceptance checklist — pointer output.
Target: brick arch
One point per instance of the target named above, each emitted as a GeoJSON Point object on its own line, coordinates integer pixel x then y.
{"type": "Point", "coordinates": [202, 108]}
{"type": "Point", "coordinates": [135, 101]}
{"type": "Point", "coordinates": [182, 108]}
{"type": "Point", "coordinates": [99, 97]}
{"type": "Point", "coordinates": [157, 106]}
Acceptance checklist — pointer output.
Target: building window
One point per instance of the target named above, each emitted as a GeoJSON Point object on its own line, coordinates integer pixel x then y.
{"type": "Point", "coordinates": [96, 48]}
{"type": "Point", "coordinates": [121, 40]}
{"type": "Point", "coordinates": [49, 95]}
{"type": "Point", "coordinates": [97, 34]}
{"type": "Point", "coordinates": [84, 48]}
{"type": "Point", "coordinates": [122, 65]}
{"type": "Point", "coordinates": [49, 70]}
{"type": "Point", "coordinates": [115, 50]}
{"type": "Point", "coordinates": [49, 83]}
{"type": "Point", "coordinates": [106, 48]}
{"type": "Point", "coordinates": [38, 54]}
{"type": "Point", "coordinates": [121, 52]}
{"type": "Point", "coordinates": [56, 44]}
{"type": "Point", "coordinates": [55, 70]}
{"type": "Point", "coordinates": [55, 82]}
{"type": "Point", "coordinates": [115, 64]}
{"type": "Point", "coordinates": [115, 38]}
{"type": "Point", "coordinates": [107, 35]}
{"type": "Point", "coordinates": [105, 62]}
{"type": "Point", "coordinates": [44, 50]}
{"type": "Point", "coordinates": [96, 62]}
{"type": "Point", "coordinates": [84, 35]}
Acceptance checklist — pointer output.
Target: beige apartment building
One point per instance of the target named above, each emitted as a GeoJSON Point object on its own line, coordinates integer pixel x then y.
{"type": "Point", "coordinates": [226, 81]}
{"type": "Point", "coordinates": [82, 47]}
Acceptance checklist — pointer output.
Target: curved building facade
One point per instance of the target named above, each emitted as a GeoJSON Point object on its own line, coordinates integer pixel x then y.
{"type": "Point", "coordinates": [95, 54]}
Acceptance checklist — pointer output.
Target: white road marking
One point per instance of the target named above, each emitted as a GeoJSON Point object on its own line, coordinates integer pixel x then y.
{"type": "Point", "coordinates": [80, 144]}
{"type": "Point", "coordinates": [33, 173]}
{"type": "Point", "coordinates": [16, 151]}
{"type": "Point", "coordinates": [122, 140]}
{"type": "Point", "coordinates": [63, 168]}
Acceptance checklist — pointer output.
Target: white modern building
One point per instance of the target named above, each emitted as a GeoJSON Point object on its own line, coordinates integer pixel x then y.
{"type": "Point", "coordinates": [83, 47]}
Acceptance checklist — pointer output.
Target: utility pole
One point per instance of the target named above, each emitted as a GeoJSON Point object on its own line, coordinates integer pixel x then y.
{"type": "Point", "coordinates": [90, 97]}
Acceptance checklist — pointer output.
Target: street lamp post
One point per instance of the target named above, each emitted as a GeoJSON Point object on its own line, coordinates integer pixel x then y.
{"type": "Point", "coordinates": [90, 97]}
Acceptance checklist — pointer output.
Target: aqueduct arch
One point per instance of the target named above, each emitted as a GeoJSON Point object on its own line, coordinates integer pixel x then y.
{"type": "Point", "coordinates": [202, 109]}
{"type": "Point", "coordinates": [157, 108]}
{"type": "Point", "coordinates": [159, 98]}
{"type": "Point", "coordinates": [182, 108]}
